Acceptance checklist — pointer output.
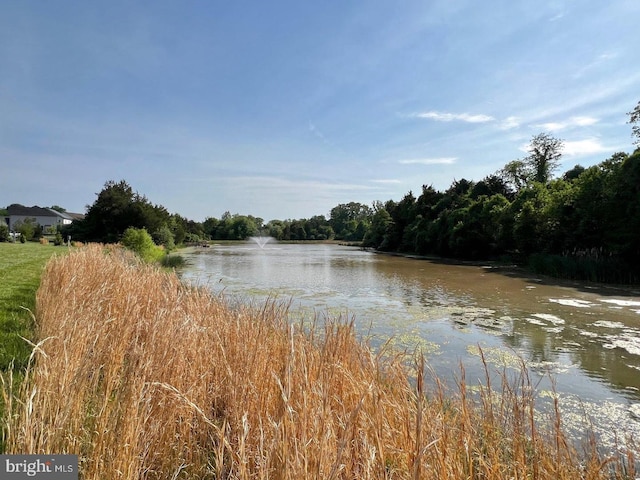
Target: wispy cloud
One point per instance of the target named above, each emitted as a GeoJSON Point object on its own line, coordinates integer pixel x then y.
{"type": "Point", "coordinates": [314, 130]}
{"type": "Point", "coordinates": [429, 161]}
{"type": "Point", "coordinates": [557, 17]}
{"type": "Point", "coordinates": [449, 117]}
{"type": "Point", "coordinates": [509, 123]}
{"type": "Point", "coordinates": [598, 62]}
{"type": "Point", "coordinates": [571, 122]}
{"type": "Point", "coordinates": [390, 181]}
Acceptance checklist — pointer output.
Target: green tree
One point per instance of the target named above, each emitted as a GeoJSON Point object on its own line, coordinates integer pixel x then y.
{"type": "Point", "coordinates": [243, 227]}
{"type": "Point", "coordinates": [515, 175]}
{"type": "Point", "coordinates": [209, 226]}
{"type": "Point", "coordinates": [380, 222]}
{"type": "Point", "coordinates": [164, 236]}
{"type": "Point", "coordinates": [574, 173]}
{"type": "Point", "coordinates": [402, 214]}
{"type": "Point", "coordinates": [543, 159]}
{"type": "Point", "coordinates": [275, 229]}
{"type": "Point", "coordinates": [117, 208]}
{"type": "Point", "coordinates": [178, 226]}
{"type": "Point", "coordinates": [350, 220]}
{"type": "Point", "coordinates": [544, 156]}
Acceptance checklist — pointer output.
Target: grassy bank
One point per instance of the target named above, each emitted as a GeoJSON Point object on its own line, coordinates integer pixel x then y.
{"type": "Point", "coordinates": [144, 377]}
{"type": "Point", "coordinates": [21, 266]}
{"type": "Point", "coordinates": [20, 269]}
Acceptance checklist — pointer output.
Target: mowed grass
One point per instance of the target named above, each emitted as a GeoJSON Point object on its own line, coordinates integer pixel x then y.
{"type": "Point", "coordinates": [21, 266]}
{"type": "Point", "coordinates": [146, 378]}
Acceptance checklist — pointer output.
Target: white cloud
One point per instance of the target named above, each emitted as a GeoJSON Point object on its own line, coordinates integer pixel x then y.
{"type": "Point", "coordinates": [429, 161]}
{"type": "Point", "coordinates": [509, 123]}
{"type": "Point", "coordinates": [585, 147]}
{"type": "Point", "coordinates": [448, 117]}
{"type": "Point", "coordinates": [571, 122]}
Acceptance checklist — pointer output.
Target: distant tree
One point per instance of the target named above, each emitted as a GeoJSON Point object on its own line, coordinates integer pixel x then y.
{"type": "Point", "coordinates": [243, 227]}
{"type": "Point", "coordinates": [543, 159]}
{"type": "Point", "coordinates": [275, 229]}
{"type": "Point", "coordinates": [515, 175]}
{"type": "Point", "coordinates": [297, 230]}
{"type": "Point", "coordinates": [544, 156]}
{"type": "Point", "coordinates": [491, 185]}
{"type": "Point", "coordinates": [318, 228]}
{"type": "Point", "coordinates": [349, 220]}
{"type": "Point", "coordinates": [58, 209]}
{"type": "Point", "coordinates": [209, 226]}
{"type": "Point", "coordinates": [380, 223]}
{"type": "Point", "coordinates": [574, 173]}
{"type": "Point", "coordinates": [634, 119]}
{"type": "Point", "coordinates": [402, 214]}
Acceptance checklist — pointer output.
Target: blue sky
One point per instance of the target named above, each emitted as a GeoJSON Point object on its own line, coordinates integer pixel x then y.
{"type": "Point", "coordinates": [284, 109]}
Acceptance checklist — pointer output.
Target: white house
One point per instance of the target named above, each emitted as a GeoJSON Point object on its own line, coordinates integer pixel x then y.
{"type": "Point", "coordinates": [47, 218]}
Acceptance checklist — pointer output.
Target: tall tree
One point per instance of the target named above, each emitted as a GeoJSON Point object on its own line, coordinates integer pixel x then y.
{"type": "Point", "coordinates": [543, 159]}
{"type": "Point", "coordinates": [544, 156]}
{"type": "Point", "coordinates": [117, 208]}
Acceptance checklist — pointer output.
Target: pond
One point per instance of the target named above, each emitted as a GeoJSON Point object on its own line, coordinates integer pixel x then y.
{"type": "Point", "coordinates": [581, 341]}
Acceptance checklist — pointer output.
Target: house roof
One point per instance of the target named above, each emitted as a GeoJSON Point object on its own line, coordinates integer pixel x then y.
{"type": "Point", "coordinates": [35, 211]}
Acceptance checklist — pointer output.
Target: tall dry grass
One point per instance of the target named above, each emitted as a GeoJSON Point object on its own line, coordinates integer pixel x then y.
{"type": "Point", "coordinates": [146, 378]}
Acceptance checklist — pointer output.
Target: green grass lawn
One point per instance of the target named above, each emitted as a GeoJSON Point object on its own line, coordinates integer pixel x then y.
{"type": "Point", "coordinates": [21, 265]}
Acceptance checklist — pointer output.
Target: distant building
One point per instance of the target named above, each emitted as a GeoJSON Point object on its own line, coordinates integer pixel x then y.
{"type": "Point", "coordinates": [47, 218]}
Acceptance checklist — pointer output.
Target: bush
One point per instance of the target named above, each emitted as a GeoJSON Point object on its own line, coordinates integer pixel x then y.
{"type": "Point", "coordinates": [139, 241]}
{"type": "Point", "coordinates": [4, 232]}
{"type": "Point", "coordinates": [58, 240]}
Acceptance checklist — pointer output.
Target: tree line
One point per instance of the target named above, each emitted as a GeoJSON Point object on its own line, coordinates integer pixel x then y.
{"type": "Point", "coordinates": [583, 224]}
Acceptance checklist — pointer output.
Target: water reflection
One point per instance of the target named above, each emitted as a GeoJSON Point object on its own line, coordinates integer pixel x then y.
{"type": "Point", "coordinates": [588, 339]}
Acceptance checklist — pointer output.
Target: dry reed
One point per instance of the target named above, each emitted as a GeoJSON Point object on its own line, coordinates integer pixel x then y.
{"type": "Point", "coordinates": [146, 378]}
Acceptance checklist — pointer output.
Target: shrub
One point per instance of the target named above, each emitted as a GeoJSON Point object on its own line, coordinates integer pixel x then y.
{"type": "Point", "coordinates": [139, 241]}
{"type": "Point", "coordinates": [172, 261]}
{"type": "Point", "coordinates": [4, 232]}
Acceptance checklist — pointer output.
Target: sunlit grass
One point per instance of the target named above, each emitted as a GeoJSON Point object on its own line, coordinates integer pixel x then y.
{"type": "Point", "coordinates": [144, 377]}
{"type": "Point", "coordinates": [21, 266]}
{"type": "Point", "coordinates": [20, 269]}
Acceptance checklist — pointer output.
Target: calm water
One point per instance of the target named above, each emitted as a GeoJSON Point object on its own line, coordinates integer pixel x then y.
{"type": "Point", "coordinates": [586, 339]}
